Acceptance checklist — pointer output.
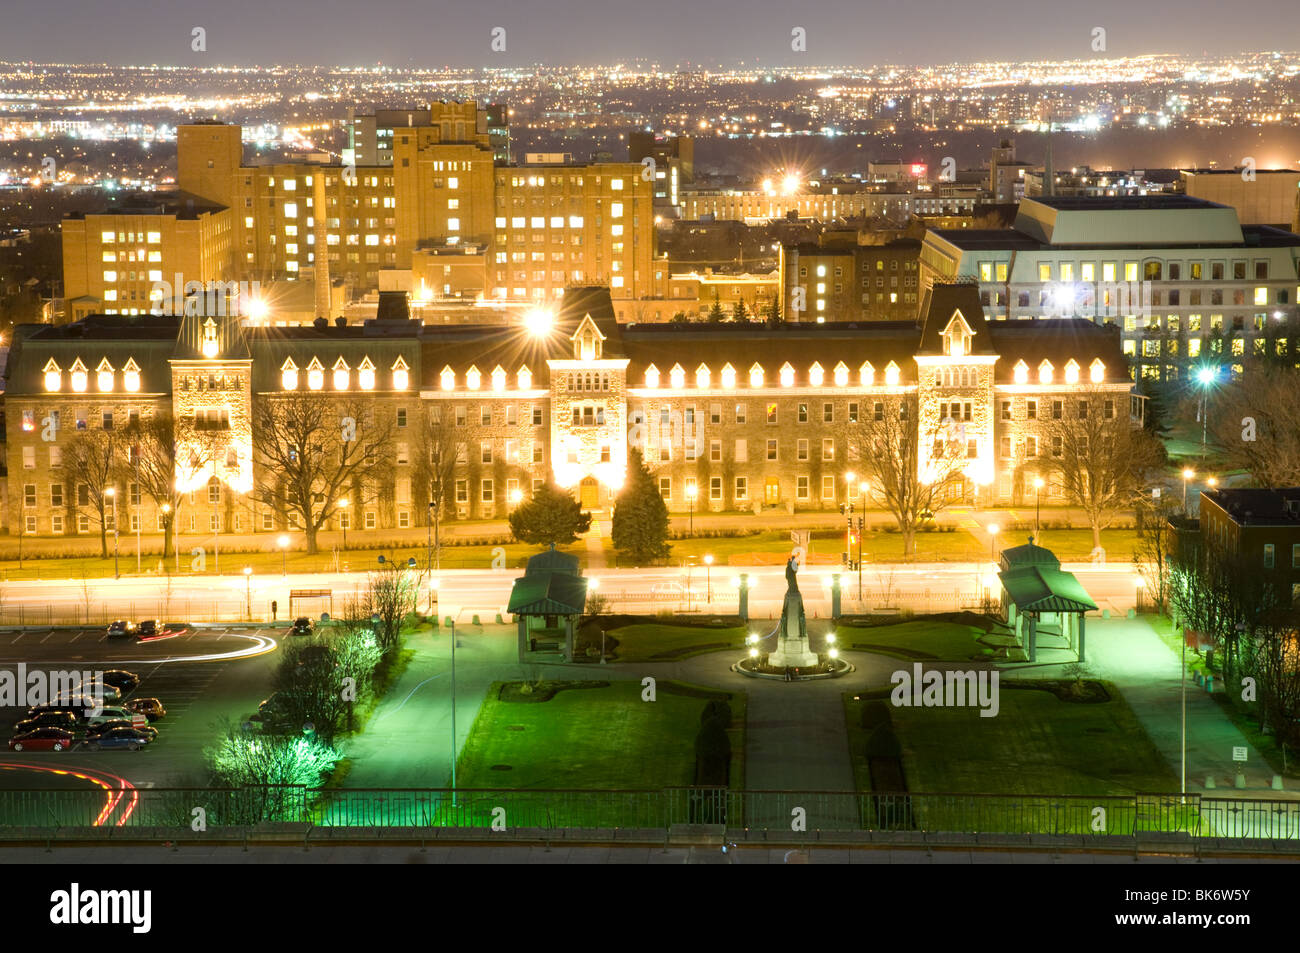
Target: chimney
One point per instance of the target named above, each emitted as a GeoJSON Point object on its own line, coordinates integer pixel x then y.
{"type": "Point", "coordinates": [321, 255]}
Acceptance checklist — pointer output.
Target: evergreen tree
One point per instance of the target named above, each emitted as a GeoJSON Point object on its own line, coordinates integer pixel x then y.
{"type": "Point", "coordinates": [640, 526]}
{"type": "Point", "coordinates": [680, 318]}
{"type": "Point", "coordinates": [740, 313]}
{"type": "Point", "coordinates": [551, 517]}
{"type": "Point", "coordinates": [716, 314]}
{"type": "Point", "coordinates": [774, 316]}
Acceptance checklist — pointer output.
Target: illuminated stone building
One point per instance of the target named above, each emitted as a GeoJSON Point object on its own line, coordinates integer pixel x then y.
{"type": "Point", "coordinates": [728, 416]}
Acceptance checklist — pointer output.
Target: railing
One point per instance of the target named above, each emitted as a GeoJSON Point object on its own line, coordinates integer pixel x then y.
{"type": "Point", "coordinates": [33, 814]}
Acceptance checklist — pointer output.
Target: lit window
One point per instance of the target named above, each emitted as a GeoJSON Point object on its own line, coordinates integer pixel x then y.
{"type": "Point", "coordinates": [652, 376]}
{"type": "Point", "coordinates": [1045, 372]}
{"type": "Point", "coordinates": [615, 209]}
{"type": "Point", "coordinates": [315, 375]}
{"type": "Point", "coordinates": [473, 378]}
{"type": "Point", "coordinates": [891, 374]}
{"type": "Point", "coordinates": [816, 375]}
{"type": "Point", "coordinates": [1022, 372]}
{"type": "Point", "coordinates": [366, 375]}
{"type": "Point", "coordinates": [1072, 372]}
{"type": "Point", "coordinates": [678, 377]}
{"type": "Point", "coordinates": [728, 376]}
{"type": "Point", "coordinates": [841, 374]}
{"type": "Point", "coordinates": [787, 375]}
{"type": "Point", "coordinates": [1097, 371]}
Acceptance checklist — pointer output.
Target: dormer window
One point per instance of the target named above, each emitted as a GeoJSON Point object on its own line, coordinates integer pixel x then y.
{"type": "Point", "coordinates": [209, 338]}
{"type": "Point", "coordinates": [957, 336]}
{"type": "Point", "coordinates": [587, 341]}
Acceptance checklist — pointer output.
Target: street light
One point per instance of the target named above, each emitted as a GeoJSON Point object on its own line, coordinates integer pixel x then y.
{"type": "Point", "coordinates": [248, 593]}
{"type": "Point", "coordinates": [167, 523]}
{"type": "Point", "coordinates": [343, 505]}
{"type": "Point", "coordinates": [708, 576]}
{"type": "Point", "coordinates": [690, 499]}
{"type": "Point", "coordinates": [1038, 502]}
{"type": "Point", "coordinates": [111, 493]}
{"type": "Point", "coordinates": [993, 542]}
{"type": "Point", "coordinates": [1188, 473]}
{"type": "Point", "coordinates": [284, 554]}
{"type": "Point", "coordinates": [1206, 377]}
{"type": "Point", "coordinates": [516, 496]}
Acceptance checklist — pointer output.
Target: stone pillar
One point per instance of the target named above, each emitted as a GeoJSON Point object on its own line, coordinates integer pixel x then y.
{"type": "Point", "coordinates": [743, 607]}
{"type": "Point", "coordinates": [1033, 636]}
{"type": "Point", "coordinates": [835, 596]}
{"type": "Point", "coordinates": [1081, 634]}
{"type": "Point", "coordinates": [522, 622]}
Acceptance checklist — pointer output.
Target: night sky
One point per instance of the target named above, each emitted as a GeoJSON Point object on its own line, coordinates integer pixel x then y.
{"type": "Point", "coordinates": [561, 32]}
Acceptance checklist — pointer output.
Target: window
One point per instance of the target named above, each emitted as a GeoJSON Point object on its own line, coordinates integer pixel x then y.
{"type": "Point", "coordinates": [803, 413]}
{"type": "Point", "coordinates": [1056, 446]}
{"type": "Point", "coordinates": [537, 416]}
{"type": "Point", "coordinates": [29, 458]}
{"type": "Point", "coordinates": [828, 413]}
{"type": "Point", "coordinates": [715, 451]}
{"type": "Point", "coordinates": [485, 451]}
{"type": "Point", "coordinates": [666, 488]}
{"type": "Point", "coordinates": [485, 415]}
{"type": "Point", "coordinates": [1006, 410]}
{"type": "Point", "coordinates": [29, 494]}
{"type": "Point", "coordinates": [828, 487]}
{"type": "Point", "coordinates": [972, 449]}
{"type": "Point", "coordinates": [1031, 410]}
{"type": "Point", "coordinates": [801, 451]}
{"type": "Point", "coordinates": [771, 413]}
{"type": "Point", "coordinates": [853, 413]}
{"type": "Point", "coordinates": [462, 491]}
{"type": "Point", "coordinates": [1268, 555]}
{"type": "Point", "coordinates": [828, 448]}
{"type": "Point", "coordinates": [401, 416]}
{"type": "Point", "coordinates": [486, 491]}
{"type": "Point", "coordinates": [1295, 555]}
{"type": "Point", "coordinates": [740, 413]}
{"type": "Point", "coordinates": [1031, 446]}
{"type": "Point", "coordinates": [742, 489]}
{"type": "Point", "coordinates": [801, 488]}
{"type": "Point", "coordinates": [1058, 410]}
{"type": "Point", "coordinates": [715, 488]}
{"type": "Point", "coordinates": [771, 449]}
{"type": "Point", "coordinates": [56, 494]}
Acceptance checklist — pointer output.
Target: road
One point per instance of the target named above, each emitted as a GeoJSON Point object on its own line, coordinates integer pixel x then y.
{"type": "Point", "coordinates": [920, 587]}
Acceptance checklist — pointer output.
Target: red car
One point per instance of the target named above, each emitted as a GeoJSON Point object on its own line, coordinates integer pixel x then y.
{"type": "Point", "coordinates": [42, 739]}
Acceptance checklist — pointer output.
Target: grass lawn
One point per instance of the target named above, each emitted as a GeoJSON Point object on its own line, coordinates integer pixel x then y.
{"type": "Point", "coordinates": [1037, 744]}
{"type": "Point", "coordinates": [650, 642]}
{"type": "Point", "coordinates": [598, 738]}
{"type": "Point", "coordinates": [918, 641]}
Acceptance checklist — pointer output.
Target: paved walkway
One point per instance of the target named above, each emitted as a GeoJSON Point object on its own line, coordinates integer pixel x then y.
{"type": "Point", "coordinates": [1130, 654]}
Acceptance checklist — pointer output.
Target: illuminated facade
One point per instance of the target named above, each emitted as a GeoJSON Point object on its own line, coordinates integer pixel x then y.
{"type": "Point", "coordinates": [1185, 282]}
{"type": "Point", "coordinates": [728, 416]}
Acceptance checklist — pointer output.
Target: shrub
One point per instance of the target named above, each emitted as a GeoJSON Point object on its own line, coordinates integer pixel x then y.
{"type": "Point", "coordinates": [716, 709]}
{"type": "Point", "coordinates": [874, 713]}
{"type": "Point", "coordinates": [883, 743]}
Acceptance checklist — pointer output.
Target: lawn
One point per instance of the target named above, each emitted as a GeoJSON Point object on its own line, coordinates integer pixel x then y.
{"type": "Point", "coordinates": [1037, 744]}
{"type": "Point", "coordinates": [599, 737]}
{"type": "Point", "coordinates": [917, 640]}
{"type": "Point", "coordinates": [650, 642]}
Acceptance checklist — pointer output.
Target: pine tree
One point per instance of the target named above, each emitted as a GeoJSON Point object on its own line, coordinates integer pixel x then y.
{"type": "Point", "coordinates": [740, 314]}
{"type": "Point", "coordinates": [640, 526]}
{"type": "Point", "coordinates": [716, 314]}
{"type": "Point", "coordinates": [551, 517]}
{"type": "Point", "coordinates": [774, 317]}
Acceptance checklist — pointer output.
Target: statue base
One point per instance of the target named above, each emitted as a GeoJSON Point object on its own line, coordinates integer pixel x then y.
{"type": "Point", "coordinates": [792, 648]}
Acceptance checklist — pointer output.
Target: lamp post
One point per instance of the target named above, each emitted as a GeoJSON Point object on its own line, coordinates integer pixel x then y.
{"type": "Point", "coordinates": [993, 556]}
{"type": "Point", "coordinates": [167, 525]}
{"type": "Point", "coordinates": [690, 499]}
{"type": "Point", "coordinates": [1205, 377]}
{"type": "Point", "coordinates": [708, 581]}
{"type": "Point", "coordinates": [248, 593]}
{"type": "Point", "coordinates": [1188, 473]}
{"type": "Point", "coordinates": [284, 555]}
{"type": "Point", "coordinates": [433, 511]}
{"type": "Point", "coordinates": [453, 712]}
{"type": "Point", "coordinates": [1038, 502]}
{"type": "Point", "coordinates": [111, 493]}
{"type": "Point", "coordinates": [343, 506]}
{"type": "Point", "coordinates": [139, 521]}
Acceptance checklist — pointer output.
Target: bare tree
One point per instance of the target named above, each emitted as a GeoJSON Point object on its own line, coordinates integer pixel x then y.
{"type": "Point", "coordinates": [1274, 658]}
{"type": "Point", "coordinates": [435, 466]}
{"type": "Point", "coordinates": [1151, 551]}
{"type": "Point", "coordinates": [1102, 460]}
{"type": "Point", "coordinates": [907, 467]}
{"type": "Point", "coordinates": [311, 449]}
{"type": "Point", "coordinates": [91, 466]}
{"type": "Point", "coordinates": [1255, 422]}
{"type": "Point", "coordinates": [154, 444]}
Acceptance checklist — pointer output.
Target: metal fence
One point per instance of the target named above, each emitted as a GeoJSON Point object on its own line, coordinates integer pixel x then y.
{"type": "Point", "coordinates": [25, 813]}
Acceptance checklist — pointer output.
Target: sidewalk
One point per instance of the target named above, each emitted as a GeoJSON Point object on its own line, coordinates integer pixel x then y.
{"type": "Point", "coordinates": [1130, 654]}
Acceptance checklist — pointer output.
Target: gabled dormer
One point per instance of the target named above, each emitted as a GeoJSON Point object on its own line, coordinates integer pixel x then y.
{"type": "Point", "coordinates": [957, 335]}
{"type": "Point", "coordinates": [588, 342]}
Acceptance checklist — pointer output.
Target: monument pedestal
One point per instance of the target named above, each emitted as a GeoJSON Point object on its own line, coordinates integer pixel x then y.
{"type": "Point", "coordinates": [792, 648]}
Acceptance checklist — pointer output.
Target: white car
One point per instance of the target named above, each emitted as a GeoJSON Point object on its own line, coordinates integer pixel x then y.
{"type": "Point", "coordinates": [677, 590]}
{"type": "Point", "coordinates": [113, 714]}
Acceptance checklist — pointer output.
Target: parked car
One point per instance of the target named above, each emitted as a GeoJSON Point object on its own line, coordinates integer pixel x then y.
{"type": "Point", "coordinates": [42, 739]}
{"type": "Point", "coordinates": [35, 711]}
{"type": "Point", "coordinates": [112, 714]}
{"type": "Point", "coordinates": [302, 626]}
{"type": "Point", "coordinates": [95, 731]}
{"type": "Point", "coordinates": [50, 719]}
{"type": "Point", "coordinates": [79, 705]}
{"type": "Point", "coordinates": [133, 739]}
{"type": "Point", "coordinates": [105, 692]}
{"type": "Point", "coordinates": [676, 589]}
{"type": "Point", "coordinates": [121, 680]}
{"type": "Point", "coordinates": [151, 708]}
{"type": "Point", "coordinates": [121, 629]}
{"type": "Point", "coordinates": [147, 629]}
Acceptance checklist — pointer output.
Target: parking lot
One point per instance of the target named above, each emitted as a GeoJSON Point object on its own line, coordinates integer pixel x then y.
{"type": "Point", "coordinates": [200, 675]}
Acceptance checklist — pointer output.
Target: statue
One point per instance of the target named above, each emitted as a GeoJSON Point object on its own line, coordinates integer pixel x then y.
{"type": "Point", "coordinates": [791, 584]}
